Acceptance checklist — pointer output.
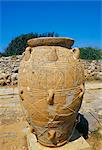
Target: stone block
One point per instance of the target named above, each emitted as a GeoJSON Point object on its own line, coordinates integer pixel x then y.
{"type": "Point", "coordinates": [78, 144]}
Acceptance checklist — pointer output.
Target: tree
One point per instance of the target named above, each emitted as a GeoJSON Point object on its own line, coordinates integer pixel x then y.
{"type": "Point", "coordinates": [17, 45]}
{"type": "Point", "coordinates": [90, 53]}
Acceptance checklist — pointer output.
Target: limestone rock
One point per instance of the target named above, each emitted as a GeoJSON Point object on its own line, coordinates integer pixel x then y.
{"type": "Point", "coordinates": [78, 144]}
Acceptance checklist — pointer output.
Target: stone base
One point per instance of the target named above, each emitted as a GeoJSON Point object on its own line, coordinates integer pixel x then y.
{"type": "Point", "coordinates": [78, 144]}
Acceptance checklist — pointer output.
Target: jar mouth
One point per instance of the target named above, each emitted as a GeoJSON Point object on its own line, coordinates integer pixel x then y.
{"type": "Point", "coordinates": [51, 41]}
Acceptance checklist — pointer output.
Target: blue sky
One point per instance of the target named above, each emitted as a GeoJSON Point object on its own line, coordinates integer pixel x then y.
{"type": "Point", "coordinates": [80, 20]}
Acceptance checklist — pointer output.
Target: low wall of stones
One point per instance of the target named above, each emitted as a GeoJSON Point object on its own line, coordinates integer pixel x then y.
{"type": "Point", "coordinates": [93, 69]}
{"type": "Point", "coordinates": [9, 67]}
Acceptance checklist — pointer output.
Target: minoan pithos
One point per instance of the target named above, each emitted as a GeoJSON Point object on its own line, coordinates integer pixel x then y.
{"type": "Point", "coordinates": [51, 87]}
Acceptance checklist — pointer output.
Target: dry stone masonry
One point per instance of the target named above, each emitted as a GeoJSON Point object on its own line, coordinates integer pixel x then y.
{"type": "Point", "coordinates": [9, 70]}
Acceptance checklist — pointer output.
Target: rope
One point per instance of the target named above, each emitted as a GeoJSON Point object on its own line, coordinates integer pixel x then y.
{"type": "Point", "coordinates": [40, 93]}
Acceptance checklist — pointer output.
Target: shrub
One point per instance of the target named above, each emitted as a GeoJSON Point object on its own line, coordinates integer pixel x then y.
{"type": "Point", "coordinates": [90, 53]}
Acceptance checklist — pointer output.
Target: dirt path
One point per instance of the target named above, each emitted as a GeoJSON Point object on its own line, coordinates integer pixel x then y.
{"type": "Point", "coordinates": [92, 104]}
{"type": "Point", "coordinates": [92, 110]}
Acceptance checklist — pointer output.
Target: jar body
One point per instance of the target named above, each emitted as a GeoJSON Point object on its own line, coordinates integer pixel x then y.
{"type": "Point", "coordinates": [51, 83]}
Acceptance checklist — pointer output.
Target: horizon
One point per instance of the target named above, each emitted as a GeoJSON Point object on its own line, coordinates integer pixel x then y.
{"type": "Point", "coordinates": [79, 20]}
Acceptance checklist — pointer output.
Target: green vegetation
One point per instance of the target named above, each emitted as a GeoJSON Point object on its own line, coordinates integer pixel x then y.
{"type": "Point", "coordinates": [17, 46]}
{"type": "Point", "coordinates": [90, 53]}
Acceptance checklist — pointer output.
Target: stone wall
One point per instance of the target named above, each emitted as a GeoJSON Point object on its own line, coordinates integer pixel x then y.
{"type": "Point", "coordinates": [9, 70]}
{"type": "Point", "coordinates": [93, 69]}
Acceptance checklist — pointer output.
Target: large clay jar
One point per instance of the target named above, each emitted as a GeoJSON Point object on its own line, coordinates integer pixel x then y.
{"type": "Point", "coordinates": [51, 87]}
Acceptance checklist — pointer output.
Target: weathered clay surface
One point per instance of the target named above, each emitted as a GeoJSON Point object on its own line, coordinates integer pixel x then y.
{"type": "Point", "coordinates": [49, 41]}
{"type": "Point", "coordinates": [51, 86]}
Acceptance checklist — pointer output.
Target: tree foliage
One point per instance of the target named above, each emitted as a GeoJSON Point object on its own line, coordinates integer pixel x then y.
{"type": "Point", "coordinates": [90, 53]}
{"type": "Point", "coordinates": [17, 45]}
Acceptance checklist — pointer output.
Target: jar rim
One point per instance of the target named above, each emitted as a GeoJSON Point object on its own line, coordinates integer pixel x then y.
{"type": "Point", "coordinates": [51, 41]}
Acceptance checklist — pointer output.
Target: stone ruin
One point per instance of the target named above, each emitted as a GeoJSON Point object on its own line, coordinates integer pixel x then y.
{"type": "Point", "coordinates": [51, 87]}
